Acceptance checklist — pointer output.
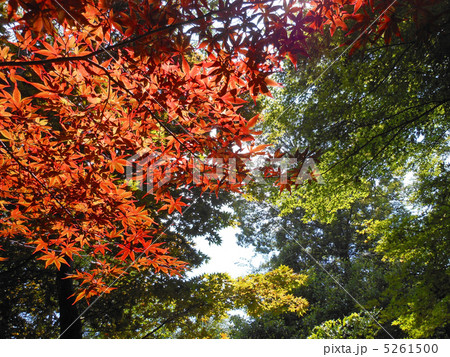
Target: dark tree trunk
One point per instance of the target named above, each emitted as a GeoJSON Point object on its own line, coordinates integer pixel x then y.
{"type": "Point", "coordinates": [69, 322]}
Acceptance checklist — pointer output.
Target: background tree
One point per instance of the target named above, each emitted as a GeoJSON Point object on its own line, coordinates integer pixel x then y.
{"type": "Point", "coordinates": [415, 243]}
{"type": "Point", "coordinates": [353, 326]}
{"type": "Point", "coordinates": [318, 250]}
{"type": "Point", "coordinates": [378, 116]}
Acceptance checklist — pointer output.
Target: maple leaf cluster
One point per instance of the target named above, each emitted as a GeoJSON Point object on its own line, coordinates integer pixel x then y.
{"type": "Point", "coordinates": [85, 85]}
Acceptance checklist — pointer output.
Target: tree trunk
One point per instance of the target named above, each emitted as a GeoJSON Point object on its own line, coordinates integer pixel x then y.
{"type": "Point", "coordinates": [69, 322]}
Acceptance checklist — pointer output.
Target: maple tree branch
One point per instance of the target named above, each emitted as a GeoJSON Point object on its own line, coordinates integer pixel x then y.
{"type": "Point", "coordinates": [10, 153]}
{"type": "Point", "coordinates": [109, 48]}
{"type": "Point", "coordinates": [124, 42]}
{"type": "Point", "coordinates": [401, 127]}
{"type": "Point", "coordinates": [152, 114]}
{"type": "Point", "coordinates": [24, 245]}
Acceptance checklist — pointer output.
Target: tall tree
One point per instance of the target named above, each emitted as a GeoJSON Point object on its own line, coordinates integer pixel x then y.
{"type": "Point", "coordinates": [415, 242]}
{"type": "Point", "coordinates": [378, 116]}
{"type": "Point", "coordinates": [343, 271]}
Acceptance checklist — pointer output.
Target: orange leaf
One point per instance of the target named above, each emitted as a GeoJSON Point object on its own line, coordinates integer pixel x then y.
{"type": "Point", "coordinates": [186, 68]}
{"type": "Point", "coordinates": [252, 122]}
{"type": "Point", "coordinates": [17, 98]}
{"type": "Point", "coordinates": [271, 82]}
{"type": "Point", "coordinates": [80, 296]}
{"type": "Point", "coordinates": [52, 258]}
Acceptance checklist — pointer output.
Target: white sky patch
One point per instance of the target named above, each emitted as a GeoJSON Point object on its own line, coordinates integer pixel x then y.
{"type": "Point", "coordinates": [408, 179]}
{"type": "Point", "coordinates": [227, 257]}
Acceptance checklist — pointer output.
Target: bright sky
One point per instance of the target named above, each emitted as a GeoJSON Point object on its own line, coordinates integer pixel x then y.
{"type": "Point", "coordinates": [227, 257]}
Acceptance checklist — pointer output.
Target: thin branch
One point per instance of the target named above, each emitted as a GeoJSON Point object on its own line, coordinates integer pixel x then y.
{"type": "Point", "coordinates": [152, 114]}
{"type": "Point", "coordinates": [374, 89]}
{"type": "Point", "coordinates": [21, 264]}
{"type": "Point", "coordinates": [109, 48]}
{"type": "Point", "coordinates": [170, 319]}
{"type": "Point", "coordinates": [401, 125]}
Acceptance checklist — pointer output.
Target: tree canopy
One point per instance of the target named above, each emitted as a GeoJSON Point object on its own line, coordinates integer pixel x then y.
{"type": "Point", "coordinates": [117, 118]}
